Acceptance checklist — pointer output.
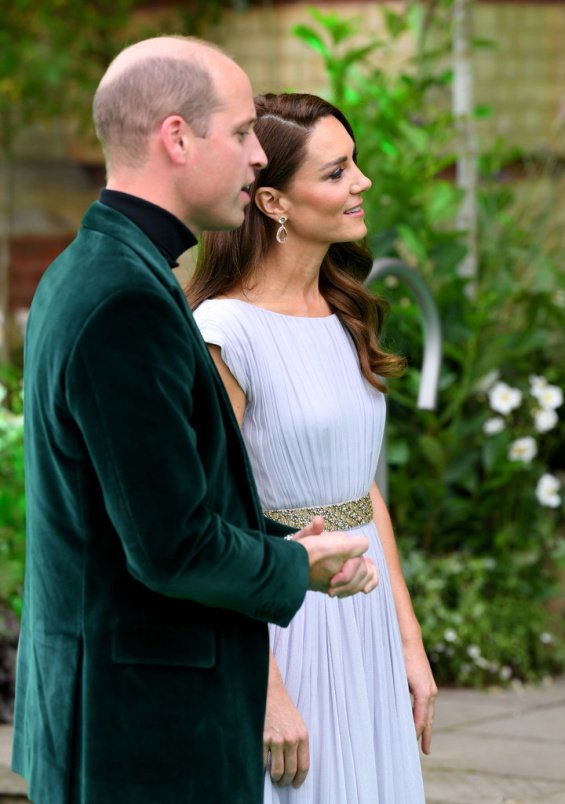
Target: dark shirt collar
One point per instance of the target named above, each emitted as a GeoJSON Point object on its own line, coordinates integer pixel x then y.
{"type": "Point", "coordinates": [164, 229]}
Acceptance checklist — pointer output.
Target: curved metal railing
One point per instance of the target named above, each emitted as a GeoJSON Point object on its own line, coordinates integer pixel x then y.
{"type": "Point", "coordinates": [431, 362]}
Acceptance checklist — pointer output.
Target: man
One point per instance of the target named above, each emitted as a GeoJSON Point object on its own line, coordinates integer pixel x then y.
{"type": "Point", "coordinates": [150, 572]}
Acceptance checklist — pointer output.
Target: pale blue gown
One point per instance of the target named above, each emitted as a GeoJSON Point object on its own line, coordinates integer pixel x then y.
{"type": "Point", "coordinates": [313, 427]}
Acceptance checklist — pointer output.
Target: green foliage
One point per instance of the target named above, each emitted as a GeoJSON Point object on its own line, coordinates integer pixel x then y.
{"type": "Point", "coordinates": [12, 501]}
{"type": "Point", "coordinates": [485, 619]}
{"type": "Point", "coordinates": [52, 54]}
{"type": "Point", "coordinates": [478, 534]}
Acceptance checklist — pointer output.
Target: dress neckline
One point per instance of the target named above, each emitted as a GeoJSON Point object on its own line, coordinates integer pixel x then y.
{"type": "Point", "coordinates": [274, 312]}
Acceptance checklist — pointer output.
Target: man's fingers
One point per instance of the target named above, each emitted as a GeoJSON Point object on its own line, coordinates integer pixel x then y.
{"type": "Point", "coordinates": [357, 575]}
{"type": "Point", "coordinates": [355, 546]}
{"type": "Point", "coordinates": [359, 570]}
{"type": "Point", "coordinates": [315, 528]}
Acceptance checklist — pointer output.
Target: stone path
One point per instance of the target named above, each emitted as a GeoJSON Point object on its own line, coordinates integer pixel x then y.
{"type": "Point", "coordinates": [503, 747]}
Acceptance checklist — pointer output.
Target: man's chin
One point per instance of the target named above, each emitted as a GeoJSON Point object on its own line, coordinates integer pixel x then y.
{"type": "Point", "coordinates": [234, 222]}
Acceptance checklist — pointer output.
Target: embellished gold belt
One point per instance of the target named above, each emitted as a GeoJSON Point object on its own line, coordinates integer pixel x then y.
{"type": "Point", "coordinates": [342, 516]}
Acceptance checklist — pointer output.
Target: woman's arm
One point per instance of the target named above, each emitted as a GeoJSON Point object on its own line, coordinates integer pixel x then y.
{"type": "Point", "coordinates": [420, 679]}
{"type": "Point", "coordinates": [235, 392]}
{"type": "Point", "coordinates": [285, 734]}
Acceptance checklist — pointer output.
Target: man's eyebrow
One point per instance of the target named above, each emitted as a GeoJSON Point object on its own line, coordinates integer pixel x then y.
{"type": "Point", "coordinates": [247, 123]}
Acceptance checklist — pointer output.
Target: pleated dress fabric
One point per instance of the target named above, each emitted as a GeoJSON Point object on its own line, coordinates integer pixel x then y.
{"type": "Point", "coordinates": [313, 427]}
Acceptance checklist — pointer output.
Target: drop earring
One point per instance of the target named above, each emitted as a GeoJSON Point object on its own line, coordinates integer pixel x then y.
{"type": "Point", "coordinates": [282, 234]}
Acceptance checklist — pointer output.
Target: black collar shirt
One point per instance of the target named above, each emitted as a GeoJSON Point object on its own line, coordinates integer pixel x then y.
{"type": "Point", "coordinates": [164, 229]}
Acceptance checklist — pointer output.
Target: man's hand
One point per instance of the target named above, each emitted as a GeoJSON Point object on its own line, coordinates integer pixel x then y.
{"type": "Point", "coordinates": [315, 527]}
{"type": "Point", "coordinates": [356, 575]}
{"type": "Point", "coordinates": [327, 554]}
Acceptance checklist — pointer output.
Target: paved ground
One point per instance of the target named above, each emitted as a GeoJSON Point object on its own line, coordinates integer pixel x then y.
{"type": "Point", "coordinates": [489, 748]}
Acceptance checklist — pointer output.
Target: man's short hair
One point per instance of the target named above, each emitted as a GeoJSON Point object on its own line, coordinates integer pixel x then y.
{"type": "Point", "coordinates": [129, 107]}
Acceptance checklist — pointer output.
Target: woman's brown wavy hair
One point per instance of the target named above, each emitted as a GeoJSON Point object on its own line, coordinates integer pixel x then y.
{"type": "Point", "coordinates": [228, 259]}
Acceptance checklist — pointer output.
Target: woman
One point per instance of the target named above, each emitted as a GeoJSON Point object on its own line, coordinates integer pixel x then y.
{"type": "Point", "coordinates": [294, 335]}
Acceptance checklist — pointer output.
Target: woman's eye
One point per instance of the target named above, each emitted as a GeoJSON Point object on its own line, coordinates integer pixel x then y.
{"type": "Point", "coordinates": [337, 174]}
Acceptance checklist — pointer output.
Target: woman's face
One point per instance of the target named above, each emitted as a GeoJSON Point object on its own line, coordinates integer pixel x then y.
{"type": "Point", "coordinates": [324, 200]}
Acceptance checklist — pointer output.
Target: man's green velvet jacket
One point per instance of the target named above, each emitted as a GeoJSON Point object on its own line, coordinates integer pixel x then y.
{"type": "Point", "coordinates": [143, 655]}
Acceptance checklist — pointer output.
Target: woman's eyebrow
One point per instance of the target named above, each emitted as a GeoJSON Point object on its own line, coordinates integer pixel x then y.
{"type": "Point", "coordinates": [339, 161]}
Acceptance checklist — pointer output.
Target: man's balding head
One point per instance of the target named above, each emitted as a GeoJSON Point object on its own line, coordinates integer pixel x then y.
{"type": "Point", "coordinates": [149, 81]}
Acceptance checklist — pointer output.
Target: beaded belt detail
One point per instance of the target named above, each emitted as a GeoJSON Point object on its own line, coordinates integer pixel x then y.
{"type": "Point", "coordinates": [342, 516]}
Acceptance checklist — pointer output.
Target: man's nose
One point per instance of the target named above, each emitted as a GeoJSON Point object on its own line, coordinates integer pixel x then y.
{"type": "Point", "coordinates": [258, 156]}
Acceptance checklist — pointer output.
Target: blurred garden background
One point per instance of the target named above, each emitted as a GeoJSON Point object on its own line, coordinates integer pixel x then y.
{"type": "Point", "coordinates": [459, 112]}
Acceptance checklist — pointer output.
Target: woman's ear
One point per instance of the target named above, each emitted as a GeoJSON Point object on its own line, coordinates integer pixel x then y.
{"type": "Point", "coordinates": [270, 202]}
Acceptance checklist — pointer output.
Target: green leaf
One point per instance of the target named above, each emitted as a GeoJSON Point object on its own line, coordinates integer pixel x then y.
{"type": "Point", "coordinates": [359, 54]}
{"type": "Point", "coordinates": [310, 38]}
{"type": "Point", "coordinates": [432, 450]}
{"type": "Point", "coordinates": [482, 43]}
{"type": "Point", "coordinates": [416, 136]}
{"type": "Point", "coordinates": [412, 242]}
{"type": "Point", "coordinates": [442, 201]}
{"type": "Point", "coordinates": [396, 24]}
{"type": "Point", "coordinates": [398, 453]}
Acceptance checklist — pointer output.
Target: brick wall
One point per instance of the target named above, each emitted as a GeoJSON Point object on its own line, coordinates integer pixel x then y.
{"type": "Point", "coordinates": [522, 79]}
{"type": "Point", "coordinates": [29, 257]}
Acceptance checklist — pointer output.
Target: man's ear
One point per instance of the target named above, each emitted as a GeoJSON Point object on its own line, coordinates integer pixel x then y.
{"type": "Point", "coordinates": [176, 137]}
{"type": "Point", "coordinates": [270, 202]}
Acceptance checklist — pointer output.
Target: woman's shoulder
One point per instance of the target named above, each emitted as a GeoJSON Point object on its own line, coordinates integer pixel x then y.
{"type": "Point", "coordinates": [227, 316]}
{"type": "Point", "coordinates": [220, 306]}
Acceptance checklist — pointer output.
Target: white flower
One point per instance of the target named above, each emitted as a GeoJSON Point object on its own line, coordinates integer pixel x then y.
{"type": "Point", "coordinates": [486, 382]}
{"type": "Point", "coordinates": [450, 635]}
{"type": "Point", "coordinates": [503, 398]}
{"type": "Point", "coordinates": [523, 449]}
{"type": "Point", "coordinates": [549, 396]}
{"type": "Point", "coordinates": [536, 383]}
{"type": "Point", "coordinates": [505, 673]}
{"type": "Point", "coordinates": [559, 297]}
{"type": "Point", "coordinates": [494, 425]}
{"type": "Point", "coordinates": [545, 638]}
{"type": "Point", "coordinates": [3, 393]}
{"type": "Point", "coordinates": [545, 419]}
{"type": "Point", "coordinates": [547, 491]}
{"type": "Point", "coordinates": [474, 651]}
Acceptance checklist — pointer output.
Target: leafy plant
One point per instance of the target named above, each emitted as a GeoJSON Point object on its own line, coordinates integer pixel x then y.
{"type": "Point", "coordinates": [475, 631]}
{"type": "Point", "coordinates": [12, 497]}
{"type": "Point", "coordinates": [473, 522]}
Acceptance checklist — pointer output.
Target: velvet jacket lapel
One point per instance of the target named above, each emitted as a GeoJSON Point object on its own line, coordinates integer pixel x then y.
{"type": "Point", "coordinates": [113, 224]}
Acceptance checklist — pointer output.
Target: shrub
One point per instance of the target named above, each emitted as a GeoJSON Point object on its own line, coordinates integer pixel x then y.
{"type": "Point", "coordinates": [476, 503]}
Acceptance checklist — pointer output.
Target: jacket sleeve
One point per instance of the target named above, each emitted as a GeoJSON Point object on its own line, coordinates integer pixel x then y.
{"type": "Point", "coordinates": [130, 386]}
